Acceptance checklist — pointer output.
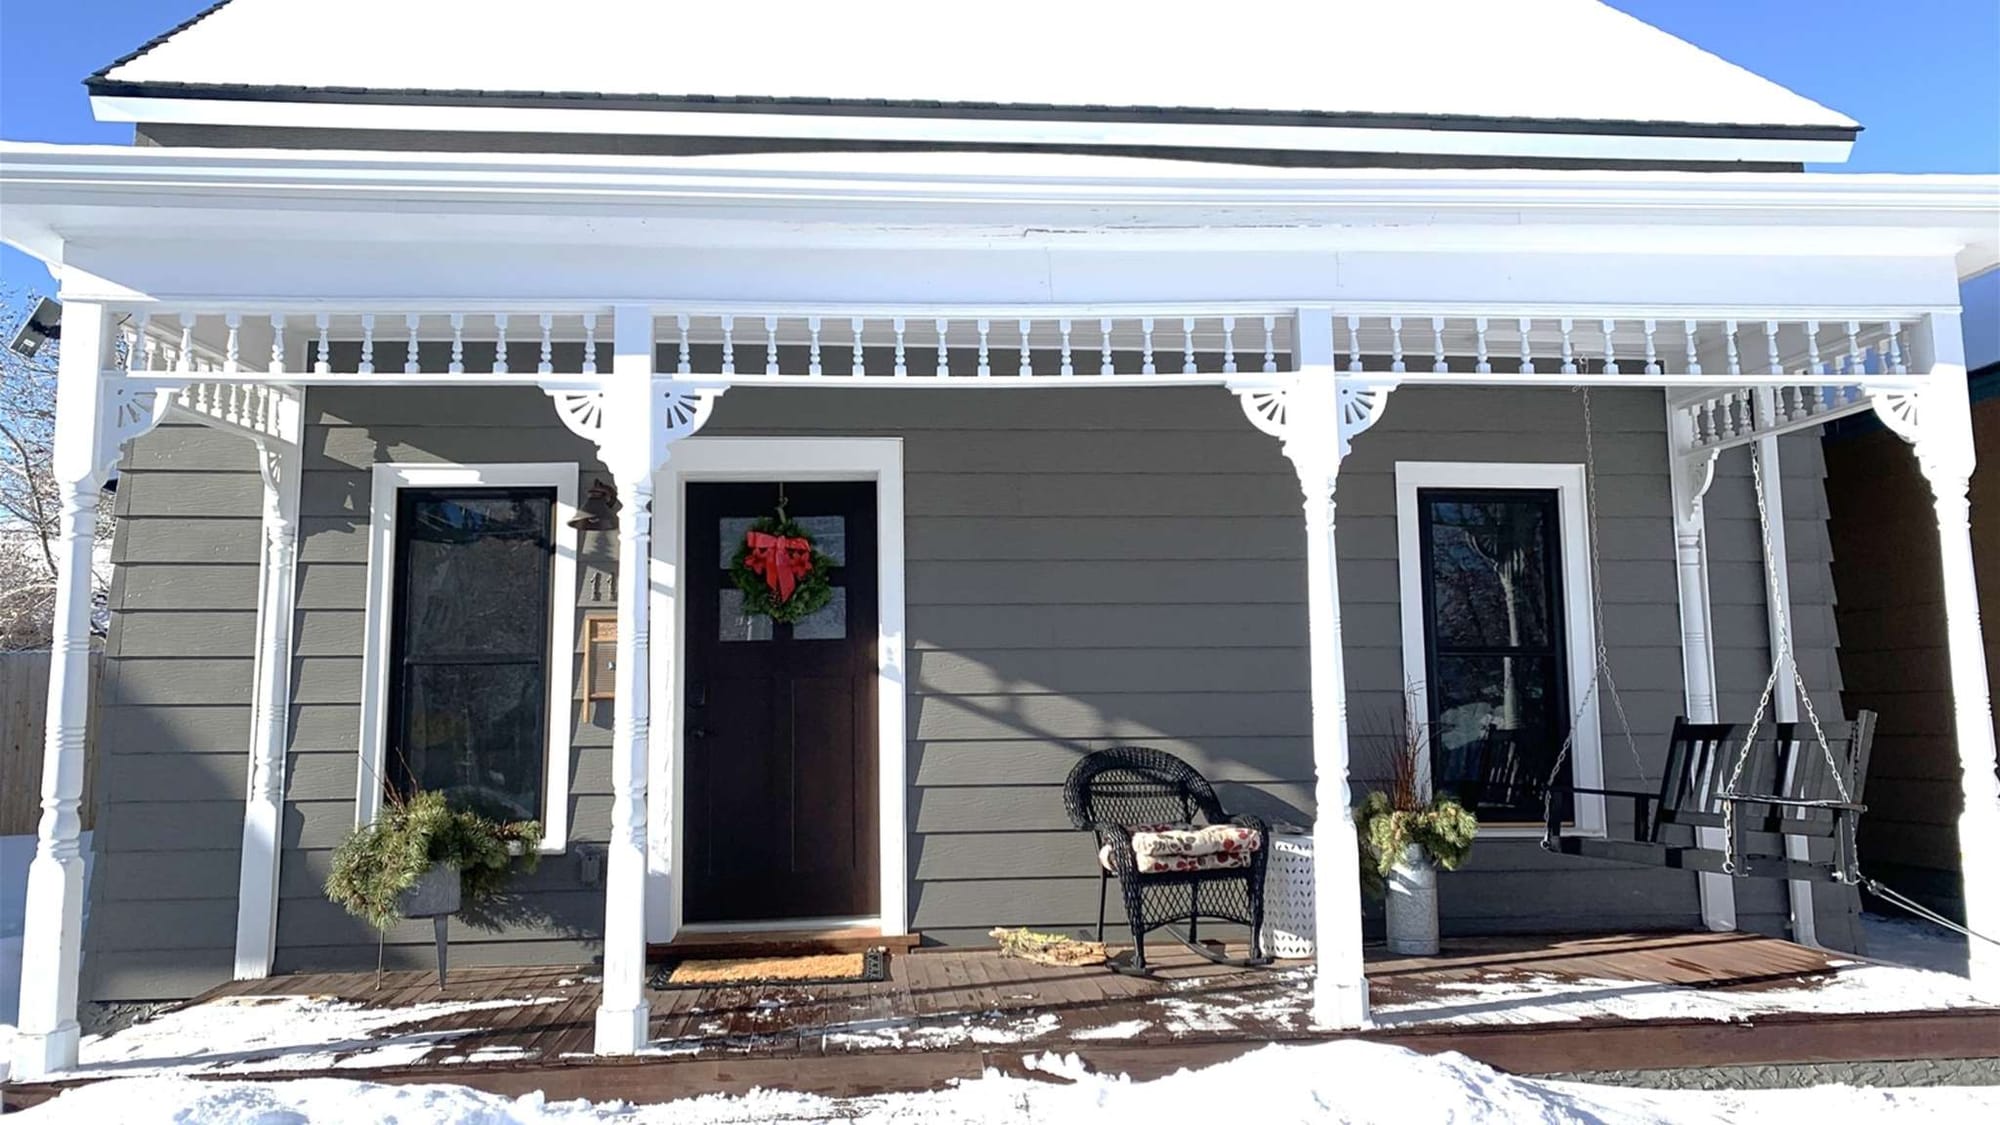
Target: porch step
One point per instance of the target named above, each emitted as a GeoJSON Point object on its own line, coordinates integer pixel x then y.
{"type": "Point", "coordinates": [780, 943]}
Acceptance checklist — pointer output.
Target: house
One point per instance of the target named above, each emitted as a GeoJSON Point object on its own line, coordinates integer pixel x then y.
{"type": "Point", "coordinates": [1062, 346]}
{"type": "Point", "coordinates": [1891, 619]}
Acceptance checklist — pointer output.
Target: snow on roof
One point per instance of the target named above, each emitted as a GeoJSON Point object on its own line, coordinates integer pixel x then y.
{"type": "Point", "coordinates": [1546, 60]}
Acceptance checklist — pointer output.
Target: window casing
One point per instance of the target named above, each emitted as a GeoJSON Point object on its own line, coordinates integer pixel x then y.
{"type": "Point", "coordinates": [1498, 634]}
{"type": "Point", "coordinates": [388, 658]}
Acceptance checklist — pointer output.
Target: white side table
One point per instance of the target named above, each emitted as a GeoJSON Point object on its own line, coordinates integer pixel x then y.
{"type": "Point", "coordinates": [1288, 895]}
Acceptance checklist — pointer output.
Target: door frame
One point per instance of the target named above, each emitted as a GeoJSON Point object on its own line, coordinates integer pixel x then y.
{"type": "Point", "coordinates": [704, 459]}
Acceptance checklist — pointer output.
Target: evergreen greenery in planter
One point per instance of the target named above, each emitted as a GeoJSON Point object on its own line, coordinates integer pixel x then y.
{"type": "Point", "coordinates": [1442, 829]}
{"type": "Point", "coordinates": [379, 861]}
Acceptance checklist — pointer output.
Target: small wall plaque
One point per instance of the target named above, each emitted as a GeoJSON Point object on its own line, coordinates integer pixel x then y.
{"type": "Point", "coordinates": [600, 655]}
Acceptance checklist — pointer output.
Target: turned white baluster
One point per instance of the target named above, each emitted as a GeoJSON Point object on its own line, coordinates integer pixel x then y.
{"type": "Point", "coordinates": [1105, 365]}
{"type": "Point", "coordinates": [902, 354]}
{"type": "Point", "coordinates": [944, 347]}
{"type": "Point", "coordinates": [547, 323]}
{"type": "Point", "coordinates": [1610, 347]}
{"type": "Point", "coordinates": [1896, 364]}
{"type": "Point", "coordinates": [1437, 345]}
{"type": "Point", "coordinates": [1396, 344]}
{"type": "Point", "coordinates": [232, 345]}
{"type": "Point", "coordinates": [500, 343]}
{"type": "Point", "coordinates": [277, 344]}
{"type": "Point", "coordinates": [411, 363]}
{"type": "Point", "coordinates": [1270, 344]}
{"type": "Point", "coordinates": [1484, 363]}
{"type": "Point", "coordinates": [1027, 360]}
{"type": "Point", "coordinates": [590, 342]}
{"type": "Point", "coordinates": [1568, 346]}
{"type": "Point", "coordinates": [1527, 346]}
{"type": "Point", "coordinates": [184, 356]}
{"type": "Point", "coordinates": [1229, 345]}
{"type": "Point", "coordinates": [859, 328]}
{"type": "Point", "coordinates": [683, 349]}
{"type": "Point", "coordinates": [1693, 347]}
{"type": "Point", "coordinates": [1856, 365]}
{"type": "Point", "coordinates": [457, 366]}
{"type": "Point", "coordinates": [1187, 345]}
{"type": "Point", "coordinates": [140, 356]}
{"type": "Point", "coordinates": [985, 356]}
{"type": "Point", "coordinates": [1354, 344]}
{"type": "Point", "coordinates": [770, 345]}
{"type": "Point", "coordinates": [1775, 363]}
{"type": "Point", "coordinates": [728, 344]}
{"type": "Point", "coordinates": [1146, 346]}
{"type": "Point", "coordinates": [1652, 348]}
{"type": "Point", "coordinates": [323, 361]}
{"type": "Point", "coordinates": [1068, 358]}
{"type": "Point", "coordinates": [1729, 342]}
{"type": "Point", "coordinates": [812, 345]}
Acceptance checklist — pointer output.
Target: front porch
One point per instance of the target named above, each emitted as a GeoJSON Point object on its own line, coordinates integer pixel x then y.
{"type": "Point", "coordinates": [1527, 1004]}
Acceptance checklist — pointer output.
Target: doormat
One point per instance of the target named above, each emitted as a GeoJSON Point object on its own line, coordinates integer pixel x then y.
{"type": "Point", "coordinates": [813, 968]}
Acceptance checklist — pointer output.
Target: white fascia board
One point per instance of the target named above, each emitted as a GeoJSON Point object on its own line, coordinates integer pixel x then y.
{"type": "Point", "coordinates": [403, 117]}
{"type": "Point", "coordinates": [164, 176]}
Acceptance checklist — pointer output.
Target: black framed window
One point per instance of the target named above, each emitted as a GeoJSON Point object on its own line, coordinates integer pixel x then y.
{"type": "Point", "coordinates": [470, 646]}
{"type": "Point", "coordinates": [1495, 666]}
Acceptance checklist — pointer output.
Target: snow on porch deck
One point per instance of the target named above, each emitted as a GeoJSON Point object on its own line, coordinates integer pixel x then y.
{"type": "Point", "coordinates": [1518, 1002]}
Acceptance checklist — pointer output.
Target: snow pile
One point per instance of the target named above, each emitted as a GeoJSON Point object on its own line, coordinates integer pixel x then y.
{"type": "Point", "coordinates": [258, 1034]}
{"type": "Point", "coordinates": [1546, 998]}
{"type": "Point", "coordinates": [1348, 1081]}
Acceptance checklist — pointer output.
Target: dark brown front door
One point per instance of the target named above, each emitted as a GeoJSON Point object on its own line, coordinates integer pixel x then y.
{"type": "Point", "coordinates": [780, 732]}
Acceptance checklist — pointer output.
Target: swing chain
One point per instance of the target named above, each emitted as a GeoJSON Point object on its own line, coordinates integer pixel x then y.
{"type": "Point", "coordinates": [1602, 667]}
{"type": "Point", "coordinates": [1783, 656]}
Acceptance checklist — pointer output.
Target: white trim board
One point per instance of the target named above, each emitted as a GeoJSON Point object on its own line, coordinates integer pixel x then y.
{"type": "Point", "coordinates": [879, 459]}
{"type": "Point", "coordinates": [388, 479]}
{"type": "Point", "coordinates": [1580, 639]}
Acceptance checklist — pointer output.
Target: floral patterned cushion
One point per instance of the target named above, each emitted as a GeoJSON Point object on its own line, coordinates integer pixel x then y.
{"type": "Point", "coordinates": [1181, 847]}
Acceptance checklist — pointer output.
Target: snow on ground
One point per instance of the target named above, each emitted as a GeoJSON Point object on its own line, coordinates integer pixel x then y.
{"type": "Point", "coordinates": [1347, 1081]}
{"type": "Point", "coordinates": [1543, 998]}
{"type": "Point", "coordinates": [1910, 941]}
{"type": "Point", "coordinates": [258, 1034]}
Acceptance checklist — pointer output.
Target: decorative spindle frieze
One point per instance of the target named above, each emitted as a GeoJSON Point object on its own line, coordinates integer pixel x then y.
{"type": "Point", "coordinates": [856, 327]}
{"type": "Point", "coordinates": [1229, 345]}
{"type": "Point", "coordinates": [500, 343]}
{"type": "Point", "coordinates": [813, 366]}
{"type": "Point", "coordinates": [1068, 359]}
{"type": "Point", "coordinates": [985, 356]}
{"type": "Point", "coordinates": [457, 344]}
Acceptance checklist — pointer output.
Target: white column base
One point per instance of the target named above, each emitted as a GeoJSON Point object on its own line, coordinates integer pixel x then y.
{"type": "Point", "coordinates": [1979, 833]}
{"type": "Point", "coordinates": [621, 1031]}
{"type": "Point", "coordinates": [40, 1055]}
{"type": "Point", "coordinates": [1340, 1005]}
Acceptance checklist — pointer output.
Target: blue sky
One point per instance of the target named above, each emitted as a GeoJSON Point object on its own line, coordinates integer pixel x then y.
{"type": "Point", "coordinates": [1923, 76]}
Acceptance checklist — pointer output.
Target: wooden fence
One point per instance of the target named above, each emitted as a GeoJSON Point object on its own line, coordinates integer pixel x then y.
{"type": "Point", "coordinates": [24, 704]}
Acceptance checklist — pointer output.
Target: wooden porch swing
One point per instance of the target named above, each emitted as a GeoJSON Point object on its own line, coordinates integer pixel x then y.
{"type": "Point", "coordinates": [1781, 813]}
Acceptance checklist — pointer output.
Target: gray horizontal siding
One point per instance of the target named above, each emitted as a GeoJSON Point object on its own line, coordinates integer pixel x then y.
{"type": "Point", "coordinates": [555, 916]}
{"type": "Point", "coordinates": [1085, 568]}
{"type": "Point", "coordinates": [174, 717]}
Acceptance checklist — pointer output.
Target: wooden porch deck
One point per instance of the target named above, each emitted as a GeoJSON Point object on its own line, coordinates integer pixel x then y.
{"type": "Point", "coordinates": [953, 1013]}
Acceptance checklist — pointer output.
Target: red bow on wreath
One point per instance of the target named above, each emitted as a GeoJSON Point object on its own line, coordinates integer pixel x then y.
{"type": "Point", "coordinates": [779, 560]}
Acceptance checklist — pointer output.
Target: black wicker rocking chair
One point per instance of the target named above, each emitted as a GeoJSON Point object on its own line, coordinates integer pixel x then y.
{"type": "Point", "coordinates": [1112, 792]}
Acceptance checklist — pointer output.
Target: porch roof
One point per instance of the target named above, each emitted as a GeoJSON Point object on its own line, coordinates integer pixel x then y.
{"type": "Point", "coordinates": [1380, 75]}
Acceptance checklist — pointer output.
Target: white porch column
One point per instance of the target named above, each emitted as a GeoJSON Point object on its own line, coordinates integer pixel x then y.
{"type": "Point", "coordinates": [629, 451]}
{"type": "Point", "coordinates": [1939, 420]}
{"type": "Point", "coordinates": [1778, 626]}
{"type": "Point", "coordinates": [1307, 416]}
{"type": "Point", "coordinates": [52, 946]}
{"type": "Point", "coordinates": [270, 708]}
{"type": "Point", "coordinates": [1690, 475]}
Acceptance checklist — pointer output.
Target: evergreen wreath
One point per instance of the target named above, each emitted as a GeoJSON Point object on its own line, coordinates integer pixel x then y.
{"type": "Point", "coordinates": [760, 570]}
